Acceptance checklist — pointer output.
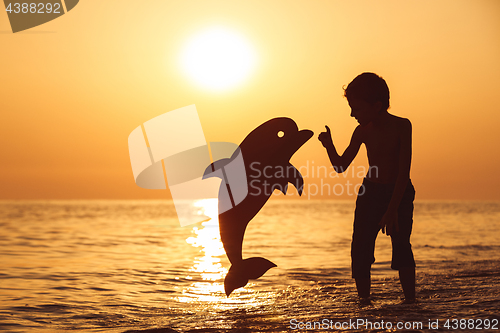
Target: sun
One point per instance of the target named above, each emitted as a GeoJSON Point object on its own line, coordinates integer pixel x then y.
{"type": "Point", "coordinates": [218, 59]}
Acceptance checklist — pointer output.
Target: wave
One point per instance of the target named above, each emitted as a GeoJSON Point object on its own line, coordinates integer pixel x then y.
{"type": "Point", "coordinates": [461, 247]}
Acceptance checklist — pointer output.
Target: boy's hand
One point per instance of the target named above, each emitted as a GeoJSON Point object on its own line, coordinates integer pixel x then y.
{"type": "Point", "coordinates": [389, 222]}
{"type": "Point", "coordinates": [326, 138]}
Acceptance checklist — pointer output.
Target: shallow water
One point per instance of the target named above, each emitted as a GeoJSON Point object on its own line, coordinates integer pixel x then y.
{"type": "Point", "coordinates": [114, 266]}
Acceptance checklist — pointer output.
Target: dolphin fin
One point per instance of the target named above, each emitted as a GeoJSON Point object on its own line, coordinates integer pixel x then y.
{"type": "Point", "coordinates": [248, 269]}
{"type": "Point", "coordinates": [210, 171]}
{"type": "Point", "coordinates": [285, 188]}
{"type": "Point", "coordinates": [281, 187]}
{"type": "Point", "coordinates": [295, 178]}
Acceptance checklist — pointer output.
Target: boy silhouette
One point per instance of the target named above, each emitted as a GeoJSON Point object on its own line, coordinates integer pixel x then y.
{"type": "Point", "coordinates": [385, 201]}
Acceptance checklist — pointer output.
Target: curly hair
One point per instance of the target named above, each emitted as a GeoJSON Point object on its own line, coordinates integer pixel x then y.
{"type": "Point", "coordinates": [370, 88]}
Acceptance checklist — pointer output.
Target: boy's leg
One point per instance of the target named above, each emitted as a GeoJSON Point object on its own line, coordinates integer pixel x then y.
{"type": "Point", "coordinates": [366, 228]}
{"type": "Point", "coordinates": [371, 205]}
{"type": "Point", "coordinates": [402, 254]}
{"type": "Point", "coordinates": [362, 255]}
{"type": "Point", "coordinates": [363, 286]}
{"type": "Point", "coordinates": [407, 279]}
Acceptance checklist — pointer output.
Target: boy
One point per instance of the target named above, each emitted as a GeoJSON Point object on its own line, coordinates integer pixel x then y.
{"type": "Point", "coordinates": [385, 202]}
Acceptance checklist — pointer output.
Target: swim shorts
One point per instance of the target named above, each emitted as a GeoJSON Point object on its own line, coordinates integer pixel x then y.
{"type": "Point", "coordinates": [371, 205]}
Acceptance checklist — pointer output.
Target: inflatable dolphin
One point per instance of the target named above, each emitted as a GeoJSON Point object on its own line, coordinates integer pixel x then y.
{"type": "Point", "coordinates": [266, 153]}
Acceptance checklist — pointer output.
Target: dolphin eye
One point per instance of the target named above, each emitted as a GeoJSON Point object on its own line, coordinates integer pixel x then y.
{"type": "Point", "coordinates": [281, 134]}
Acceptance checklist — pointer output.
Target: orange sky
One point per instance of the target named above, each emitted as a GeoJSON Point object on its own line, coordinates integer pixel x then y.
{"type": "Point", "coordinates": [74, 88]}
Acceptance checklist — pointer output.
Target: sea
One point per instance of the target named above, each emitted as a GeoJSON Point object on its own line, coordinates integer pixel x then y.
{"type": "Point", "coordinates": [128, 266]}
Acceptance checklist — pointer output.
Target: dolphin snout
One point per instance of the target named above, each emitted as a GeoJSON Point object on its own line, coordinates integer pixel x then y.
{"type": "Point", "coordinates": [302, 136]}
{"type": "Point", "coordinates": [307, 134]}
{"type": "Point", "coordinates": [295, 141]}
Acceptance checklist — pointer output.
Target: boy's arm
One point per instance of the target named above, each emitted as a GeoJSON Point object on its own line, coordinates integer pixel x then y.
{"type": "Point", "coordinates": [341, 162]}
{"type": "Point", "coordinates": [390, 218]}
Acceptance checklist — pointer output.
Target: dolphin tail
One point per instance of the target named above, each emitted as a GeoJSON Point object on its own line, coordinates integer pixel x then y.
{"type": "Point", "coordinates": [247, 269]}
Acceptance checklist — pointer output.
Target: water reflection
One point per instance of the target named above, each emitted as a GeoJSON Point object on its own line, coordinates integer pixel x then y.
{"type": "Point", "coordinates": [207, 272]}
{"type": "Point", "coordinates": [207, 268]}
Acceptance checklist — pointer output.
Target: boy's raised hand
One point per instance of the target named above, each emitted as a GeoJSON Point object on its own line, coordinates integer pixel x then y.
{"type": "Point", "coordinates": [326, 138]}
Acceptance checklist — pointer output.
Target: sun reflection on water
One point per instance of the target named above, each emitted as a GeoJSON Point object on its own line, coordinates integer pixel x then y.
{"type": "Point", "coordinates": [208, 273]}
{"type": "Point", "coordinates": [208, 238]}
{"type": "Point", "coordinates": [207, 267]}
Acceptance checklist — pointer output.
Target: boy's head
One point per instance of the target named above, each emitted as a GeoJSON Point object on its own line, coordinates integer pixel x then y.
{"type": "Point", "coordinates": [368, 95]}
{"type": "Point", "coordinates": [369, 87]}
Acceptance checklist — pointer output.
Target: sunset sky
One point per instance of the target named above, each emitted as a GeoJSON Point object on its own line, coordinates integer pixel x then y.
{"type": "Point", "coordinates": [74, 88]}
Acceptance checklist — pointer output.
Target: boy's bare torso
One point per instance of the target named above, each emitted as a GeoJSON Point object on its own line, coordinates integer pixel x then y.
{"type": "Point", "coordinates": [383, 146]}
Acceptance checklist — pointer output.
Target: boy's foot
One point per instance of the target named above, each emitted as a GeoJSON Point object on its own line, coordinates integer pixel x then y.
{"type": "Point", "coordinates": [365, 301]}
{"type": "Point", "coordinates": [409, 301]}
